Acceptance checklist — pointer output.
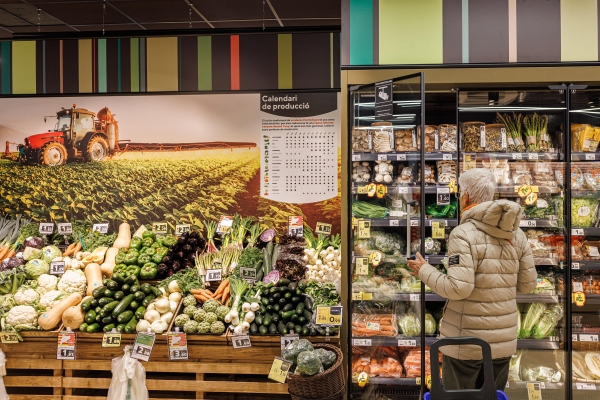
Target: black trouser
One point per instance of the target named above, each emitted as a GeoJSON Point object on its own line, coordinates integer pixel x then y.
{"type": "Point", "coordinates": [468, 374]}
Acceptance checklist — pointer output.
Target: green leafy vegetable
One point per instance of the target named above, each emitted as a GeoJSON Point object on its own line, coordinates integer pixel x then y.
{"type": "Point", "coordinates": [535, 311]}
{"type": "Point", "coordinates": [323, 294]}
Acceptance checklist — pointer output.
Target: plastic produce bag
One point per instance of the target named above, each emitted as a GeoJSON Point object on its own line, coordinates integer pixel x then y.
{"type": "Point", "coordinates": [328, 358]}
{"type": "Point", "coordinates": [309, 363]}
{"type": "Point", "coordinates": [545, 326]}
{"type": "Point", "coordinates": [515, 366]}
{"type": "Point", "coordinates": [296, 347]}
{"type": "Point", "coordinates": [129, 379]}
{"type": "Point", "coordinates": [3, 394]}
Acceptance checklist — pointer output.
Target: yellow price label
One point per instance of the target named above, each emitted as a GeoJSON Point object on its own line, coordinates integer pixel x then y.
{"type": "Point", "coordinates": [453, 186]}
{"type": "Point", "coordinates": [329, 315]}
{"type": "Point", "coordinates": [362, 266]}
{"type": "Point", "coordinates": [534, 391]}
{"type": "Point", "coordinates": [524, 191]}
{"type": "Point", "coordinates": [531, 199]}
{"type": "Point", "coordinates": [364, 229]}
{"type": "Point", "coordinates": [470, 162]}
{"type": "Point", "coordinates": [354, 223]}
{"type": "Point", "coordinates": [381, 191]}
{"type": "Point", "coordinates": [361, 190]}
{"type": "Point", "coordinates": [357, 296]}
{"type": "Point", "coordinates": [279, 370]}
{"type": "Point", "coordinates": [323, 228]}
{"type": "Point", "coordinates": [535, 189]}
{"type": "Point", "coordinates": [367, 296]}
{"type": "Point", "coordinates": [375, 258]}
{"type": "Point", "coordinates": [111, 340]}
{"type": "Point", "coordinates": [417, 381]}
{"type": "Point", "coordinates": [362, 379]}
{"type": "Point", "coordinates": [9, 337]}
{"type": "Point", "coordinates": [428, 381]}
{"type": "Point", "coordinates": [371, 189]}
{"type": "Point", "coordinates": [438, 230]}
{"type": "Point", "coordinates": [579, 299]}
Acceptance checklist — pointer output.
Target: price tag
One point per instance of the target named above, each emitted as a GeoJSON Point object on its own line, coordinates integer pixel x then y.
{"type": "Point", "coordinates": [214, 275]}
{"type": "Point", "coordinates": [517, 156]}
{"type": "Point", "coordinates": [579, 300]}
{"type": "Point", "coordinates": [100, 228]}
{"type": "Point", "coordinates": [142, 348]}
{"type": "Point", "coordinates": [528, 223]}
{"type": "Point", "coordinates": [400, 157]}
{"type": "Point", "coordinates": [577, 232]}
{"type": "Point", "coordinates": [593, 251]}
{"type": "Point", "coordinates": [65, 228]}
{"type": "Point", "coordinates": [367, 296]}
{"type": "Point", "coordinates": [438, 229]}
{"type": "Point", "coordinates": [9, 337]}
{"type": "Point", "coordinates": [447, 156]}
{"type": "Point", "coordinates": [382, 157]}
{"type": "Point", "coordinates": [394, 222]}
{"type": "Point", "coordinates": [57, 267]}
{"type": "Point", "coordinates": [357, 296]}
{"type": "Point", "coordinates": [577, 287]}
{"type": "Point", "coordinates": [66, 346]}
{"type": "Point", "coordinates": [362, 265]}
{"type": "Point", "coordinates": [531, 199]}
{"type": "Point", "coordinates": [414, 222]}
{"type": "Point", "coordinates": [46, 228]}
{"type": "Point", "coordinates": [417, 381]}
{"type": "Point", "coordinates": [248, 274]}
{"type": "Point", "coordinates": [406, 343]}
{"type": "Point", "coordinates": [323, 228]}
{"type": "Point", "coordinates": [279, 370]}
{"type": "Point", "coordinates": [588, 338]}
{"type": "Point", "coordinates": [295, 225]}
{"type": "Point", "coordinates": [364, 229]}
{"type": "Point", "coordinates": [373, 326]}
{"type": "Point", "coordinates": [470, 161]}
{"type": "Point", "coordinates": [443, 196]}
{"type": "Point", "coordinates": [110, 339]}
{"type": "Point", "coordinates": [574, 265]}
{"type": "Point", "coordinates": [355, 157]}
{"type": "Point", "coordinates": [453, 186]}
{"type": "Point", "coordinates": [585, 386]}
{"type": "Point", "coordinates": [534, 391]}
{"type": "Point", "coordinates": [532, 156]}
{"type": "Point", "coordinates": [287, 339]}
{"type": "Point", "coordinates": [361, 342]}
{"type": "Point", "coordinates": [225, 223]}
{"type": "Point", "coordinates": [361, 190]}
{"type": "Point", "coordinates": [590, 157]}
{"type": "Point", "coordinates": [241, 341]}
{"type": "Point", "coordinates": [178, 349]}
{"type": "Point", "coordinates": [180, 229]}
{"type": "Point", "coordinates": [414, 297]}
{"type": "Point", "coordinates": [159, 228]}
{"type": "Point", "coordinates": [329, 315]}
{"type": "Point", "coordinates": [574, 338]}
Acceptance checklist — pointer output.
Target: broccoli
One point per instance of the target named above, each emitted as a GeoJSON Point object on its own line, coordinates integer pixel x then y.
{"type": "Point", "coordinates": [190, 327]}
{"type": "Point", "coordinates": [203, 327]}
{"type": "Point", "coordinates": [189, 300]}
{"type": "Point", "coordinates": [199, 315]}
{"type": "Point", "coordinates": [292, 350]}
{"type": "Point", "coordinates": [210, 305]}
{"type": "Point", "coordinates": [180, 320]}
{"type": "Point", "coordinates": [309, 363]}
{"type": "Point", "coordinates": [327, 357]}
{"type": "Point", "coordinates": [221, 312]}
{"type": "Point", "coordinates": [210, 317]}
{"type": "Point", "coordinates": [189, 310]}
{"type": "Point", "coordinates": [217, 327]}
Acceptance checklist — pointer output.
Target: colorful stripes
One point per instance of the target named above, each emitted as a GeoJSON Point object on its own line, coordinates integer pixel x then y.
{"type": "Point", "coordinates": [23, 67]}
{"type": "Point", "coordinates": [162, 64]}
{"type": "Point", "coordinates": [408, 32]}
{"type": "Point", "coordinates": [284, 61]}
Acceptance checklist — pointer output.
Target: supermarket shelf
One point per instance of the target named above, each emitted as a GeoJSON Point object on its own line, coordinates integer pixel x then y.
{"type": "Point", "coordinates": [431, 189]}
{"type": "Point", "coordinates": [544, 385]}
{"type": "Point", "coordinates": [585, 193]}
{"type": "Point", "coordinates": [397, 341]}
{"type": "Point", "coordinates": [512, 190]}
{"type": "Point", "coordinates": [539, 344]}
{"type": "Point", "coordinates": [393, 381]}
{"type": "Point", "coordinates": [584, 156]}
{"type": "Point", "coordinates": [521, 298]}
{"type": "Point", "coordinates": [590, 231]}
{"type": "Point", "coordinates": [539, 223]}
{"type": "Point", "coordinates": [537, 298]}
{"type": "Point", "coordinates": [517, 156]}
{"type": "Point", "coordinates": [416, 297]}
{"type": "Point", "coordinates": [595, 264]}
{"type": "Point", "coordinates": [413, 156]}
{"type": "Point", "coordinates": [414, 222]}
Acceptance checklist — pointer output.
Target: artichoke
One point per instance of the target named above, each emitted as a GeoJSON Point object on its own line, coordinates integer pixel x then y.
{"type": "Point", "coordinates": [189, 310]}
{"type": "Point", "coordinates": [217, 327]}
{"type": "Point", "coordinates": [210, 306]}
{"type": "Point", "coordinates": [210, 317]}
{"type": "Point", "coordinates": [199, 315]}
{"type": "Point", "coordinates": [180, 320]}
{"type": "Point", "coordinates": [190, 327]}
{"type": "Point", "coordinates": [189, 300]}
{"type": "Point", "coordinates": [203, 327]}
{"type": "Point", "coordinates": [221, 312]}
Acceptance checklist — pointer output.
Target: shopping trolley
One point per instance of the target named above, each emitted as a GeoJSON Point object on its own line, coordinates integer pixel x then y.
{"type": "Point", "coordinates": [488, 389]}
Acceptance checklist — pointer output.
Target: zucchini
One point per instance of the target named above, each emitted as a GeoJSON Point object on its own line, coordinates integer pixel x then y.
{"type": "Point", "coordinates": [83, 327]}
{"type": "Point", "coordinates": [86, 304]}
{"type": "Point", "coordinates": [267, 320]}
{"type": "Point", "coordinates": [269, 308]}
{"type": "Point", "coordinates": [292, 286]}
{"type": "Point", "coordinates": [90, 317]}
{"type": "Point", "coordinates": [262, 309]}
{"type": "Point", "coordinates": [98, 318]}
{"type": "Point", "coordinates": [259, 319]}
{"type": "Point", "coordinates": [135, 305]}
{"type": "Point", "coordinates": [109, 327]}
{"type": "Point", "coordinates": [131, 280]}
{"type": "Point", "coordinates": [276, 296]}
{"type": "Point", "coordinates": [283, 301]}
{"type": "Point", "coordinates": [156, 291]}
{"type": "Point", "coordinates": [288, 307]}
{"type": "Point", "coordinates": [273, 290]}
{"type": "Point", "coordinates": [262, 329]}
{"type": "Point", "coordinates": [296, 299]}
{"type": "Point", "coordinates": [275, 318]}
{"type": "Point", "coordinates": [107, 320]}
{"type": "Point", "coordinates": [94, 303]}
{"type": "Point", "coordinates": [288, 315]}
{"type": "Point", "coordinates": [290, 326]}
{"type": "Point", "coordinates": [134, 288]}
{"type": "Point", "coordinates": [125, 317]}
{"type": "Point", "coordinates": [105, 282]}
{"type": "Point", "coordinates": [295, 318]}
{"type": "Point", "coordinates": [93, 328]}
{"type": "Point", "coordinates": [147, 300]}
{"type": "Point", "coordinates": [139, 313]}
{"type": "Point", "coordinates": [104, 301]}
{"type": "Point", "coordinates": [120, 328]}
{"type": "Point", "coordinates": [265, 301]}
{"type": "Point", "coordinates": [301, 286]}
{"type": "Point", "coordinates": [130, 327]}
{"type": "Point", "coordinates": [307, 303]}
{"type": "Point", "coordinates": [276, 307]}
{"type": "Point", "coordinates": [139, 295]}
{"type": "Point", "coordinates": [307, 314]}
{"type": "Point", "coordinates": [109, 293]}
{"type": "Point", "coordinates": [125, 288]}
{"type": "Point", "coordinates": [108, 308]}
{"type": "Point", "coordinates": [305, 331]}
{"type": "Point", "coordinates": [283, 290]}
{"type": "Point", "coordinates": [98, 292]}
{"type": "Point", "coordinates": [112, 285]}
{"type": "Point", "coordinates": [98, 309]}
{"type": "Point", "coordinates": [300, 309]}
{"type": "Point", "coordinates": [283, 282]}
{"type": "Point", "coordinates": [254, 328]}
{"type": "Point", "coordinates": [122, 306]}
{"type": "Point", "coordinates": [298, 329]}
{"type": "Point", "coordinates": [146, 288]}
{"type": "Point", "coordinates": [301, 320]}
{"type": "Point", "coordinates": [282, 329]}
{"type": "Point", "coordinates": [119, 295]}
{"type": "Point", "coordinates": [272, 329]}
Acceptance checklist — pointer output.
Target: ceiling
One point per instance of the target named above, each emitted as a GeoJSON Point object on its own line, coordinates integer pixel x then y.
{"type": "Point", "coordinates": [20, 18]}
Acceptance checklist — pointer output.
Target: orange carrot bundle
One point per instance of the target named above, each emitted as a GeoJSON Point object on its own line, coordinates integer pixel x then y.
{"type": "Point", "coordinates": [69, 250]}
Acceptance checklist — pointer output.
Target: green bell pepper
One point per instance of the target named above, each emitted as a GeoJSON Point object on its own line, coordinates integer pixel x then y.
{"type": "Point", "coordinates": [169, 241]}
{"type": "Point", "coordinates": [143, 259]}
{"type": "Point", "coordinates": [157, 258]}
{"type": "Point", "coordinates": [150, 251]}
{"type": "Point", "coordinates": [148, 271]}
{"type": "Point", "coordinates": [162, 250]}
{"type": "Point", "coordinates": [120, 258]}
{"type": "Point", "coordinates": [147, 242]}
{"type": "Point", "coordinates": [131, 257]}
{"type": "Point", "coordinates": [122, 272]}
{"type": "Point", "coordinates": [148, 234]}
{"type": "Point", "coordinates": [136, 243]}
{"type": "Point", "coordinates": [123, 250]}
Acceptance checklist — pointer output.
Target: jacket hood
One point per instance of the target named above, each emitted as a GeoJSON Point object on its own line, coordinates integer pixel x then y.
{"type": "Point", "coordinates": [497, 218]}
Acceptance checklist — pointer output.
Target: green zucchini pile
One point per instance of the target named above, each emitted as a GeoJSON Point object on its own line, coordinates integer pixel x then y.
{"type": "Point", "coordinates": [285, 308]}
{"type": "Point", "coordinates": [117, 305]}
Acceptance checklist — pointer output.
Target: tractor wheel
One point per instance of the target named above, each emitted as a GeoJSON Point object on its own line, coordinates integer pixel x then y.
{"type": "Point", "coordinates": [97, 149]}
{"type": "Point", "coordinates": [53, 154]}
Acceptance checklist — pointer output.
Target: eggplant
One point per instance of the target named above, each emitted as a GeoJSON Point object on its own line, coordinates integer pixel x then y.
{"type": "Point", "coordinates": [171, 253]}
{"type": "Point", "coordinates": [192, 257]}
{"type": "Point", "coordinates": [188, 264]}
{"type": "Point", "coordinates": [181, 240]}
{"type": "Point", "coordinates": [195, 234]}
{"type": "Point", "coordinates": [170, 273]}
{"type": "Point", "coordinates": [162, 267]}
{"type": "Point", "coordinates": [176, 266]}
{"type": "Point", "coordinates": [167, 259]}
{"type": "Point", "coordinates": [180, 255]}
{"type": "Point", "coordinates": [187, 248]}
{"type": "Point", "coordinates": [192, 242]}
{"type": "Point", "coordinates": [185, 235]}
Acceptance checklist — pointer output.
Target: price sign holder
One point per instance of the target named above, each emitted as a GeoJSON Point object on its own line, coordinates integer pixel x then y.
{"type": "Point", "coordinates": [279, 370]}
{"type": "Point", "coordinates": [100, 228]}
{"type": "Point", "coordinates": [361, 342]}
{"type": "Point", "coordinates": [364, 229]}
{"type": "Point", "coordinates": [470, 161]}
{"type": "Point", "coordinates": [329, 315]}
{"type": "Point", "coordinates": [296, 225]}
{"type": "Point", "coordinates": [46, 228]}
{"type": "Point", "coordinates": [160, 228]}
{"type": "Point", "coordinates": [65, 229]}
{"type": "Point", "coordinates": [241, 341]}
{"type": "Point", "coordinates": [214, 275]}
{"type": "Point", "coordinates": [180, 229]}
{"type": "Point", "coordinates": [66, 345]}
{"type": "Point", "coordinates": [407, 343]}
{"type": "Point", "coordinates": [178, 349]}
{"type": "Point", "coordinates": [357, 296]}
{"type": "Point", "coordinates": [579, 299]}
{"type": "Point", "coordinates": [287, 339]}
{"type": "Point", "coordinates": [111, 339]}
{"type": "Point", "coordinates": [534, 391]}
{"type": "Point", "coordinates": [9, 337]}
{"type": "Point", "coordinates": [323, 228]}
{"type": "Point", "coordinates": [367, 296]}
{"type": "Point", "coordinates": [577, 232]}
{"type": "Point", "coordinates": [142, 347]}
{"type": "Point", "coordinates": [438, 229]}
{"type": "Point", "coordinates": [57, 267]}
{"type": "Point", "coordinates": [443, 196]}
{"type": "Point", "coordinates": [248, 274]}
{"type": "Point", "coordinates": [362, 265]}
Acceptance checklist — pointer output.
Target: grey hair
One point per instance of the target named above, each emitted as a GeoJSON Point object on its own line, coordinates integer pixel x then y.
{"type": "Point", "coordinates": [479, 184]}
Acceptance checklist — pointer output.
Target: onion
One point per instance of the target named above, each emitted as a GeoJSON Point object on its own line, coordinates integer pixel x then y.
{"type": "Point", "coordinates": [175, 296]}
{"type": "Point", "coordinates": [174, 287]}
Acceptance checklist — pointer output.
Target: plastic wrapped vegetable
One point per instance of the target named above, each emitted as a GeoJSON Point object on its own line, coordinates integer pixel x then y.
{"type": "Point", "coordinates": [309, 363]}
{"type": "Point", "coordinates": [584, 212]}
{"type": "Point", "coordinates": [432, 246]}
{"type": "Point", "coordinates": [515, 366]}
{"type": "Point", "coordinates": [430, 324]}
{"type": "Point", "coordinates": [532, 316]}
{"type": "Point", "coordinates": [292, 350]}
{"type": "Point", "coordinates": [541, 374]}
{"type": "Point", "coordinates": [547, 323]}
{"type": "Point", "coordinates": [388, 243]}
{"type": "Point", "coordinates": [409, 324]}
{"type": "Point", "coordinates": [328, 358]}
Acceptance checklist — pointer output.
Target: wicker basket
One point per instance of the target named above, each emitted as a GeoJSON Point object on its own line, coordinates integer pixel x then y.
{"type": "Point", "coordinates": [328, 385]}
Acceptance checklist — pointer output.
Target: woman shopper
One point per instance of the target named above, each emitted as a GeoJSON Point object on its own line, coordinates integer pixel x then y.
{"type": "Point", "coordinates": [489, 262]}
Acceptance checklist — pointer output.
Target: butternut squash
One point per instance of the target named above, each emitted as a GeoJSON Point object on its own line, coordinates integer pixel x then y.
{"type": "Point", "coordinates": [73, 316]}
{"type": "Point", "coordinates": [124, 236]}
{"type": "Point", "coordinates": [109, 262]}
{"type": "Point", "coordinates": [50, 319]}
{"type": "Point", "coordinates": [93, 274]}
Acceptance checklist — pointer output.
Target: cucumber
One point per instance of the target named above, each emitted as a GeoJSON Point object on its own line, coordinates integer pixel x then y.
{"type": "Point", "coordinates": [301, 286]}
{"type": "Point", "coordinates": [122, 306]}
{"type": "Point", "coordinates": [321, 331]}
{"type": "Point", "coordinates": [120, 328]}
{"type": "Point", "coordinates": [282, 329]}
{"type": "Point", "coordinates": [90, 317]}
{"type": "Point", "coordinates": [283, 290]}
{"type": "Point", "coordinates": [125, 317]}
{"type": "Point", "coordinates": [272, 329]}
{"type": "Point", "coordinates": [288, 307]}
{"type": "Point", "coordinates": [296, 300]}
{"type": "Point", "coordinates": [94, 303]}
{"type": "Point", "coordinates": [109, 327]}
{"type": "Point", "coordinates": [131, 280]}
{"type": "Point", "coordinates": [105, 282]}
{"type": "Point", "coordinates": [305, 331]}
{"type": "Point", "coordinates": [104, 301]}
{"type": "Point", "coordinates": [107, 320]}
{"type": "Point", "coordinates": [130, 327]}
{"type": "Point", "coordinates": [134, 288]}
{"type": "Point", "coordinates": [290, 326]}
{"type": "Point", "coordinates": [265, 301]}
{"type": "Point", "coordinates": [109, 293]}
{"type": "Point", "coordinates": [119, 295]}
{"type": "Point", "coordinates": [298, 329]}
{"type": "Point", "coordinates": [262, 330]}
{"type": "Point", "coordinates": [125, 288]}
{"type": "Point", "coordinates": [98, 309]}
{"type": "Point", "coordinates": [293, 286]}
{"type": "Point", "coordinates": [300, 309]}
{"type": "Point", "coordinates": [276, 296]}
{"type": "Point", "coordinates": [269, 308]}
{"type": "Point", "coordinates": [288, 315]}
{"type": "Point", "coordinates": [98, 318]}
{"type": "Point", "coordinates": [283, 282]}
{"type": "Point", "coordinates": [139, 295]}
{"type": "Point", "coordinates": [83, 327]}
{"type": "Point", "coordinates": [262, 309]}
{"type": "Point", "coordinates": [259, 319]}
{"type": "Point", "coordinates": [301, 320]}
{"type": "Point", "coordinates": [275, 318]}
{"type": "Point", "coordinates": [273, 290]}
{"type": "Point", "coordinates": [139, 313]}
{"type": "Point", "coordinates": [98, 292]}
{"type": "Point", "coordinates": [276, 307]}
{"type": "Point", "coordinates": [135, 305]}
{"type": "Point", "coordinates": [108, 308]}
{"type": "Point", "coordinates": [254, 328]}
{"type": "Point", "coordinates": [147, 300]}
{"type": "Point", "coordinates": [287, 296]}
{"type": "Point", "coordinates": [112, 285]}
{"type": "Point", "coordinates": [93, 328]}
{"type": "Point", "coordinates": [308, 304]}
{"type": "Point", "coordinates": [146, 288]}
{"type": "Point", "coordinates": [295, 318]}
{"type": "Point", "coordinates": [156, 291]}
{"type": "Point", "coordinates": [307, 314]}
{"type": "Point", "coordinates": [86, 304]}
{"type": "Point", "coordinates": [267, 320]}
{"type": "Point", "coordinates": [283, 301]}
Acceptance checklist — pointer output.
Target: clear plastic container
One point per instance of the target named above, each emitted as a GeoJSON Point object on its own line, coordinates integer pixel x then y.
{"type": "Point", "coordinates": [471, 136]}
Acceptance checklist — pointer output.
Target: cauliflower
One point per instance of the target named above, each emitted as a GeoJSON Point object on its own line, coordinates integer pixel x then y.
{"type": "Point", "coordinates": [189, 310]}
{"type": "Point", "coordinates": [22, 317]}
{"type": "Point", "coordinates": [189, 300]}
{"type": "Point", "coordinates": [203, 327]}
{"type": "Point", "coordinates": [26, 297]}
{"type": "Point", "coordinates": [199, 315]}
{"type": "Point", "coordinates": [73, 281]}
{"type": "Point", "coordinates": [47, 283]}
{"type": "Point", "coordinates": [210, 306]}
{"type": "Point", "coordinates": [190, 327]}
{"type": "Point", "coordinates": [210, 317]}
{"type": "Point", "coordinates": [217, 327]}
{"type": "Point", "coordinates": [180, 320]}
{"type": "Point", "coordinates": [221, 312]}
{"type": "Point", "coordinates": [51, 299]}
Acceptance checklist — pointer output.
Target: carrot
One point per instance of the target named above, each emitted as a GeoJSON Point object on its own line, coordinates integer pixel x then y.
{"type": "Point", "coordinates": [11, 253]}
{"type": "Point", "coordinates": [201, 297]}
{"type": "Point", "coordinates": [196, 291]}
{"type": "Point", "coordinates": [74, 250]}
{"type": "Point", "coordinates": [69, 250]}
{"type": "Point", "coordinates": [225, 292]}
{"type": "Point", "coordinates": [221, 287]}
{"type": "Point", "coordinates": [4, 252]}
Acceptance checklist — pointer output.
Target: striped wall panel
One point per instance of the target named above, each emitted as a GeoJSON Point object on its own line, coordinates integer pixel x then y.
{"type": "Point", "coordinates": [408, 32]}
{"type": "Point", "coordinates": [252, 62]}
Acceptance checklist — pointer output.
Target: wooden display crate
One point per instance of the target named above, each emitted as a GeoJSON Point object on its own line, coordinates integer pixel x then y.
{"type": "Point", "coordinates": [34, 379]}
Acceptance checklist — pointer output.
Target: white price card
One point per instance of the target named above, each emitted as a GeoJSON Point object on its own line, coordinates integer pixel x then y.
{"type": "Point", "coordinates": [178, 349]}
{"type": "Point", "coordinates": [577, 287]}
{"type": "Point", "coordinates": [590, 157]}
{"type": "Point", "coordinates": [585, 386]}
{"type": "Point", "coordinates": [400, 157]}
{"type": "Point", "coordinates": [66, 345]}
{"type": "Point", "coordinates": [46, 228]}
{"type": "Point", "coordinates": [447, 156]}
{"type": "Point", "coordinates": [415, 297]}
{"type": "Point", "coordinates": [532, 156]}
{"type": "Point", "coordinates": [574, 265]}
{"type": "Point", "coordinates": [414, 222]}
{"type": "Point", "coordinates": [65, 228]}
{"type": "Point", "coordinates": [593, 251]}
{"type": "Point", "coordinates": [142, 348]}
{"type": "Point", "coordinates": [214, 275]}
{"type": "Point", "coordinates": [588, 338]}
{"type": "Point", "coordinates": [160, 228]}
{"type": "Point", "coordinates": [406, 343]}
{"type": "Point", "coordinates": [248, 274]}
{"type": "Point", "coordinates": [403, 190]}
{"type": "Point", "coordinates": [100, 228]}
{"type": "Point", "coordinates": [361, 342]}
{"type": "Point", "coordinates": [577, 232]}
{"type": "Point", "coordinates": [528, 223]}
{"type": "Point", "coordinates": [287, 339]}
{"type": "Point", "coordinates": [574, 338]}
{"type": "Point", "coordinates": [57, 267]}
{"type": "Point", "coordinates": [382, 157]}
{"type": "Point", "coordinates": [180, 229]}
{"type": "Point", "coordinates": [355, 157]}
{"type": "Point", "coordinates": [394, 222]}
{"type": "Point", "coordinates": [517, 156]}
{"type": "Point", "coordinates": [443, 196]}
{"type": "Point", "coordinates": [241, 341]}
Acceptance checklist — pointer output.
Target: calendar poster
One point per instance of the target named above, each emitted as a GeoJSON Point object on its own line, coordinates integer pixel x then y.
{"type": "Point", "coordinates": [299, 147]}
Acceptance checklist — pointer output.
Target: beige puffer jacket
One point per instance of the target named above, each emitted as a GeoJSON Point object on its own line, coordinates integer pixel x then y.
{"type": "Point", "coordinates": [490, 262]}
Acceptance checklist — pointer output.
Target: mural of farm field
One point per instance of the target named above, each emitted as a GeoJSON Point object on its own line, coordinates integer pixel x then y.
{"type": "Point", "coordinates": [180, 159]}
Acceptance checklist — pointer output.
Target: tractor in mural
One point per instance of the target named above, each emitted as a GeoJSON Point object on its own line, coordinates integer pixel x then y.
{"type": "Point", "coordinates": [79, 135]}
